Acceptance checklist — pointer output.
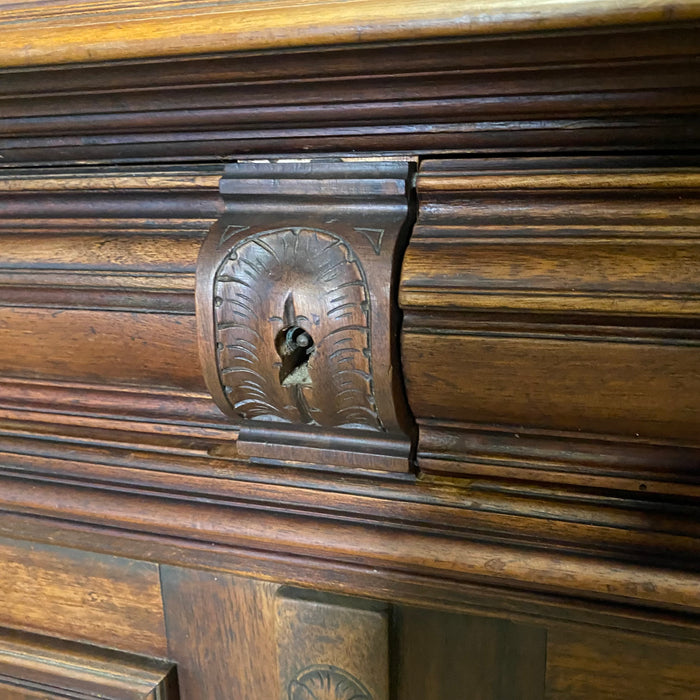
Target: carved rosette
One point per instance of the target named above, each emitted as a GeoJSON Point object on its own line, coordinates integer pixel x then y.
{"type": "Point", "coordinates": [295, 278]}
{"type": "Point", "coordinates": [327, 683]}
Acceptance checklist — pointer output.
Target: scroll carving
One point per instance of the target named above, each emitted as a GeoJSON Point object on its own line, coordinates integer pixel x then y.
{"type": "Point", "coordinates": [327, 683]}
{"type": "Point", "coordinates": [289, 278]}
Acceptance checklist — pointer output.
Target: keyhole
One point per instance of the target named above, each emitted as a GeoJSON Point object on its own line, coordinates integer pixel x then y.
{"type": "Point", "coordinates": [295, 346]}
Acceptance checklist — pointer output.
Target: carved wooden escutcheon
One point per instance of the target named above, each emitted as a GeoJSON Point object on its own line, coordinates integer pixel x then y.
{"type": "Point", "coordinates": [295, 305]}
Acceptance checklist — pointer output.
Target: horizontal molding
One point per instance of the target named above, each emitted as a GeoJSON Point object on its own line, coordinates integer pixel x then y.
{"type": "Point", "coordinates": [98, 289]}
{"type": "Point", "coordinates": [201, 466]}
{"type": "Point", "coordinates": [617, 329]}
{"type": "Point", "coordinates": [577, 89]}
{"type": "Point", "coordinates": [46, 667]}
{"type": "Point", "coordinates": [137, 29]}
{"type": "Point", "coordinates": [263, 532]}
{"type": "Point", "coordinates": [568, 181]}
{"type": "Point", "coordinates": [581, 239]}
{"type": "Point", "coordinates": [75, 182]}
{"type": "Point", "coordinates": [56, 403]}
{"type": "Point", "coordinates": [114, 347]}
{"type": "Point", "coordinates": [593, 386]}
{"type": "Point", "coordinates": [555, 457]}
{"type": "Point", "coordinates": [551, 321]}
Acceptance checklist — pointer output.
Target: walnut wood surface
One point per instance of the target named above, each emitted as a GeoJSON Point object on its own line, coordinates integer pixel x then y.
{"type": "Point", "coordinates": [441, 655]}
{"type": "Point", "coordinates": [597, 89]}
{"type": "Point", "coordinates": [331, 646]}
{"type": "Point", "coordinates": [97, 274]}
{"type": "Point", "coordinates": [308, 248]}
{"type": "Point", "coordinates": [606, 665]}
{"type": "Point", "coordinates": [82, 596]}
{"type": "Point", "coordinates": [550, 321]}
{"type": "Point", "coordinates": [546, 544]}
{"type": "Point", "coordinates": [40, 667]}
{"type": "Point", "coordinates": [90, 31]}
{"type": "Point", "coordinates": [221, 634]}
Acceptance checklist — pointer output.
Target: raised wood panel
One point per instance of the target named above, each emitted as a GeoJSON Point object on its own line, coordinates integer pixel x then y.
{"type": "Point", "coordinates": [82, 596]}
{"type": "Point", "coordinates": [551, 321]}
{"type": "Point", "coordinates": [444, 656]}
{"type": "Point", "coordinates": [333, 646]}
{"type": "Point", "coordinates": [41, 667]}
{"type": "Point", "coordinates": [101, 346]}
{"type": "Point", "coordinates": [221, 634]}
{"type": "Point", "coordinates": [575, 383]}
{"type": "Point", "coordinates": [595, 663]}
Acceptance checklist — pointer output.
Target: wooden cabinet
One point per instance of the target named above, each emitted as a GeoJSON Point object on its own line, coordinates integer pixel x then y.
{"type": "Point", "coordinates": [349, 351]}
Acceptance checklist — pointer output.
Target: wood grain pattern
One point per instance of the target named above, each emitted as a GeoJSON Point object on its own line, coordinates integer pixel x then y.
{"type": "Point", "coordinates": [331, 647]}
{"type": "Point", "coordinates": [550, 336]}
{"type": "Point", "coordinates": [95, 346]}
{"type": "Point", "coordinates": [259, 536]}
{"type": "Point", "coordinates": [578, 384]}
{"type": "Point", "coordinates": [578, 90]}
{"type": "Point", "coordinates": [40, 667]}
{"type": "Point", "coordinates": [584, 663]}
{"type": "Point", "coordinates": [576, 279]}
{"type": "Point", "coordinates": [442, 656]}
{"type": "Point", "coordinates": [221, 634]}
{"type": "Point", "coordinates": [82, 596]}
{"type": "Point", "coordinates": [308, 249]}
{"type": "Point", "coordinates": [97, 273]}
{"type": "Point", "coordinates": [89, 31]}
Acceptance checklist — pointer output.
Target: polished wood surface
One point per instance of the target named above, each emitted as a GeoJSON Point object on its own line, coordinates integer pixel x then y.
{"type": "Point", "coordinates": [56, 31]}
{"type": "Point", "coordinates": [81, 596]}
{"type": "Point", "coordinates": [576, 279]}
{"type": "Point", "coordinates": [595, 89]}
{"type": "Point", "coordinates": [48, 669]}
{"type": "Point", "coordinates": [487, 489]}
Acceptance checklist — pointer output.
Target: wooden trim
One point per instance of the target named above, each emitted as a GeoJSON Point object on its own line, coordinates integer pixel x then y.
{"type": "Point", "coordinates": [541, 92]}
{"type": "Point", "coordinates": [263, 535]}
{"type": "Point", "coordinates": [99, 31]}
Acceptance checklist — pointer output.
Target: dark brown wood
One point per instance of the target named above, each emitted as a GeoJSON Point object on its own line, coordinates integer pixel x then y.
{"type": "Point", "coordinates": [585, 663]}
{"type": "Point", "coordinates": [587, 88]}
{"type": "Point", "coordinates": [330, 646]}
{"type": "Point", "coordinates": [220, 634]}
{"type": "Point", "coordinates": [537, 537]}
{"type": "Point", "coordinates": [40, 667]}
{"type": "Point", "coordinates": [577, 280]}
{"type": "Point", "coordinates": [82, 596]}
{"type": "Point", "coordinates": [441, 656]}
{"type": "Point", "coordinates": [296, 311]}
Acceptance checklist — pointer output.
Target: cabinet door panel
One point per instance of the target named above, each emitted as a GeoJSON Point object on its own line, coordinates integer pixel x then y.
{"type": "Point", "coordinates": [35, 667]}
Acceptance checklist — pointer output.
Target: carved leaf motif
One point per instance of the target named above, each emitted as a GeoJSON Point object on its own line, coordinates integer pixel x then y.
{"type": "Point", "coordinates": [327, 683]}
{"type": "Point", "coordinates": [253, 289]}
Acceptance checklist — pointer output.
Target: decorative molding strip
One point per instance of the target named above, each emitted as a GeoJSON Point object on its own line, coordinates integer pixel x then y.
{"type": "Point", "coordinates": [92, 31]}
{"type": "Point", "coordinates": [545, 92]}
{"type": "Point", "coordinates": [556, 303]}
{"type": "Point", "coordinates": [97, 275]}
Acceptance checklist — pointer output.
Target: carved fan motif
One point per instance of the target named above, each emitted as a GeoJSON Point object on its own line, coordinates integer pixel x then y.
{"type": "Point", "coordinates": [327, 683]}
{"type": "Point", "coordinates": [295, 277]}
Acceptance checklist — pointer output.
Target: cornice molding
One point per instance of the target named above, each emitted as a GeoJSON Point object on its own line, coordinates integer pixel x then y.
{"type": "Point", "coordinates": [584, 89]}
{"type": "Point", "coordinates": [59, 32]}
